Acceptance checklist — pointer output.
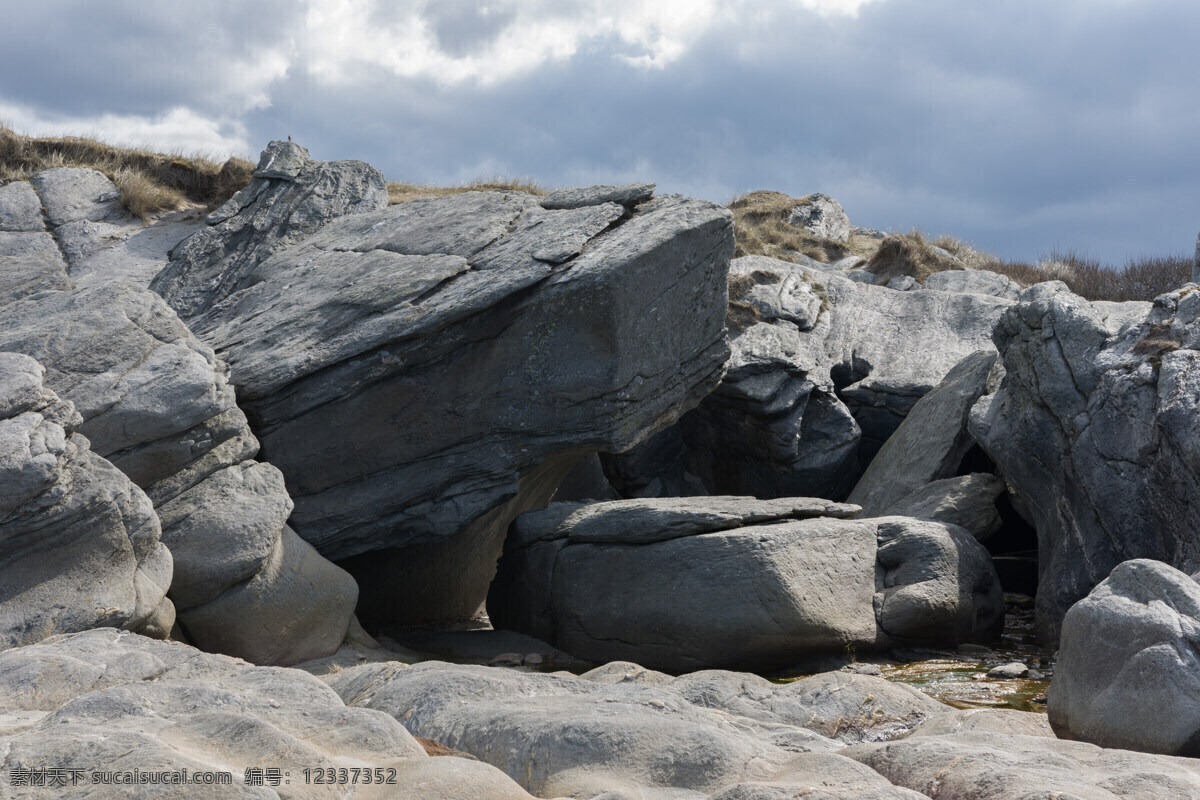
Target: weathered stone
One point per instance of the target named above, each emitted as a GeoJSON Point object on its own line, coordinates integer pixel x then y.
{"type": "Point", "coordinates": [567, 347]}
{"type": "Point", "coordinates": [70, 194]}
{"type": "Point", "coordinates": [20, 208]}
{"type": "Point", "coordinates": [690, 583]}
{"type": "Point", "coordinates": [296, 608]}
{"type": "Point", "coordinates": [106, 701]}
{"type": "Point", "coordinates": [823, 371]}
{"type": "Point", "coordinates": [993, 766]}
{"type": "Point", "coordinates": [628, 196]}
{"type": "Point", "coordinates": [268, 214]}
{"type": "Point", "coordinates": [1127, 674]}
{"type": "Point", "coordinates": [563, 735]}
{"type": "Point", "coordinates": [821, 215]}
{"type": "Point", "coordinates": [1096, 429]}
{"type": "Point", "coordinates": [133, 253]}
{"type": "Point", "coordinates": [974, 281]}
{"type": "Point", "coordinates": [903, 283]}
{"type": "Point", "coordinates": [30, 263]}
{"type": "Point", "coordinates": [985, 720]}
{"type": "Point", "coordinates": [931, 441]}
{"type": "Point", "coordinates": [79, 542]}
{"type": "Point", "coordinates": [83, 238]}
{"type": "Point", "coordinates": [968, 501]}
{"type": "Point", "coordinates": [282, 160]}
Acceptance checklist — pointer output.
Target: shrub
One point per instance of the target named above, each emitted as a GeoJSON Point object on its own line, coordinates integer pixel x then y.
{"type": "Point", "coordinates": [761, 228]}
{"type": "Point", "coordinates": [1141, 279]}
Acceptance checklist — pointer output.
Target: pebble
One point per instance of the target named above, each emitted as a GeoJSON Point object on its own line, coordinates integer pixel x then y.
{"type": "Point", "coordinates": [1013, 670]}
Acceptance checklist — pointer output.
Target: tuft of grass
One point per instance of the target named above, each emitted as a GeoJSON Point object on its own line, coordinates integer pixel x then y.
{"type": "Point", "coordinates": [909, 254]}
{"type": "Point", "coordinates": [760, 227]}
{"type": "Point", "coordinates": [149, 182]}
{"type": "Point", "coordinates": [403, 192]}
{"type": "Point", "coordinates": [1143, 278]}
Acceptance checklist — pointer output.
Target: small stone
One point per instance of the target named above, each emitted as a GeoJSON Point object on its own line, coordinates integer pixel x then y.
{"type": "Point", "coordinates": [821, 215]}
{"type": "Point", "coordinates": [903, 283]}
{"type": "Point", "coordinates": [507, 660]}
{"type": "Point", "coordinates": [1009, 671]}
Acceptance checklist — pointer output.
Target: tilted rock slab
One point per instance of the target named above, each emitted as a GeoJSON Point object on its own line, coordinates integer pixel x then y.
{"type": "Point", "coordinates": [1096, 426]}
{"type": "Point", "coordinates": [823, 371]}
{"type": "Point", "coordinates": [157, 403]}
{"type": "Point", "coordinates": [693, 583]}
{"type": "Point", "coordinates": [930, 443]}
{"type": "Point", "coordinates": [424, 373]}
{"type": "Point", "coordinates": [106, 701]}
{"type": "Point", "coordinates": [1127, 674]}
{"type": "Point", "coordinates": [79, 543]}
{"type": "Point", "coordinates": [707, 735]}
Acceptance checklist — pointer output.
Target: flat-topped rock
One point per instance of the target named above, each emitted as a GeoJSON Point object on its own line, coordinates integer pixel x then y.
{"type": "Point", "coordinates": [71, 194]}
{"type": "Point", "coordinates": [20, 208]}
{"type": "Point", "coordinates": [629, 195]}
{"type": "Point", "coordinates": [743, 584]}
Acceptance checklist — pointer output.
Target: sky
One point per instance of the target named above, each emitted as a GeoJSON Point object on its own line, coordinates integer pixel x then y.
{"type": "Point", "coordinates": [1020, 126]}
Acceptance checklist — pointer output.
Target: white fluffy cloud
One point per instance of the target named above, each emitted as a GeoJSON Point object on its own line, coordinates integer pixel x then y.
{"type": "Point", "coordinates": [341, 38]}
{"type": "Point", "coordinates": [178, 129]}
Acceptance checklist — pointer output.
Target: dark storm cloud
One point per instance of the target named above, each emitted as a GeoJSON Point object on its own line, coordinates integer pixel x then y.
{"type": "Point", "coordinates": [1018, 125]}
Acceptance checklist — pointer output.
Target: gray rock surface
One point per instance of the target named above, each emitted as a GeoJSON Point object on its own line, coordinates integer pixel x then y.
{"type": "Point", "coordinates": [1127, 674]}
{"type": "Point", "coordinates": [931, 441]}
{"type": "Point", "coordinates": [573, 333]}
{"type": "Point", "coordinates": [821, 215]}
{"type": "Point", "coordinates": [268, 214]}
{"type": "Point", "coordinates": [968, 501]}
{"type": "Point", "coordinates": [1095, 428]}
{"type": "Point", "coordinates": [563, 735]}
{"type": "Point", "coordinates": [974, 281]}
{"type": "Point", "coordinates": [106, 701]}
{"type": "Point", "coordinates": [79, 543]}
{"type": "Point", "coordinates": [156, 402]}
{"type": "Point", "coordinates": [71, 194]}
{"type": "Point", "coordinates": [993, 766]}
{"type": "Point", "coordinates": [20, 208]}
{"type": "Point", "coordinates": [985, 720]}
{"type": "Point", "coordinates": [823, 371]}
{"type": "Point", "coordinates": [691, 583]}
{"type": "Point", "coordinates": [133, 253]}
{"type": "Point", "coordinates": [30, 262]}
{"type": "Point", "coordinates": [903, 283]}
{"type": "Point", "coordinates": [628, 196]}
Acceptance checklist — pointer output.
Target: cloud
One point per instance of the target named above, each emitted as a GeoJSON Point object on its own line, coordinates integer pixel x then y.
{"type": "Point", "coordinates": [178, 129]}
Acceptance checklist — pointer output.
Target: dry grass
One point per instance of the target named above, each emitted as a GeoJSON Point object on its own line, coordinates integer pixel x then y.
{"type": "Point", "coordinates": [1141, 279]}
{"type": "Point", "coordinates": [149, 182]}
{"type": "Point", "coordinates": [403, 192]}
{"type": "Point", "coordinates": [760, 227]}
{"type": "Point", "coordinates": [909, 254]}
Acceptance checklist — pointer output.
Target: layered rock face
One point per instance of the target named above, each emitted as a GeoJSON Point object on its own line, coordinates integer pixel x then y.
{"type": "Point", "coordinates": [823, 371]}
{"type": "Point", "coordinates": [693, 583]}
{"type": "Point", "coordinates": [1127, 674]}
{"type": "Point", "coordinates": [111, 702]}
{"type": "Point", "coordinates": [1096, 428]}
{"type": "Point", "coordinates": [79, 543]}
{"type": "Point", "coordinates": [423, 373]}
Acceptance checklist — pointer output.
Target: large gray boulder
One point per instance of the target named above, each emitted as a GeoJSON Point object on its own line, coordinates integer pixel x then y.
{"type": "Point", "coordinates": [424, 373]}
{"type": "Point", "coordinates": [562, 735]}
{"type": "Point", "coordinates": [157, 403]}
{"type": "Point", "coordinates": [79, 543]}
{"type": "Point", "coordinates": [73, 194]}
{"type": "Point", "coordinates": [821, 215]}
{"type": "Point", "coordinates": [289, 198]}
{"type": "Point", "coordinates": [1095, 427]}
{"type": "Point", "coordinates": [1127, 674]}
{"type": "Point", "coordinates": [974, 281]}
{"type": "Point", "coordinates": [968, 501]}
{"type": "Point", "coordinates": [970, 765]}
{"type": "Point", "coordinates": [930, 443]}
{"type": "Point", "coordinates": [692, 583]}
{"type": "Point", "coordinates": [111, 702]}
{"type": "Point", "coordinates": [822, 373]}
